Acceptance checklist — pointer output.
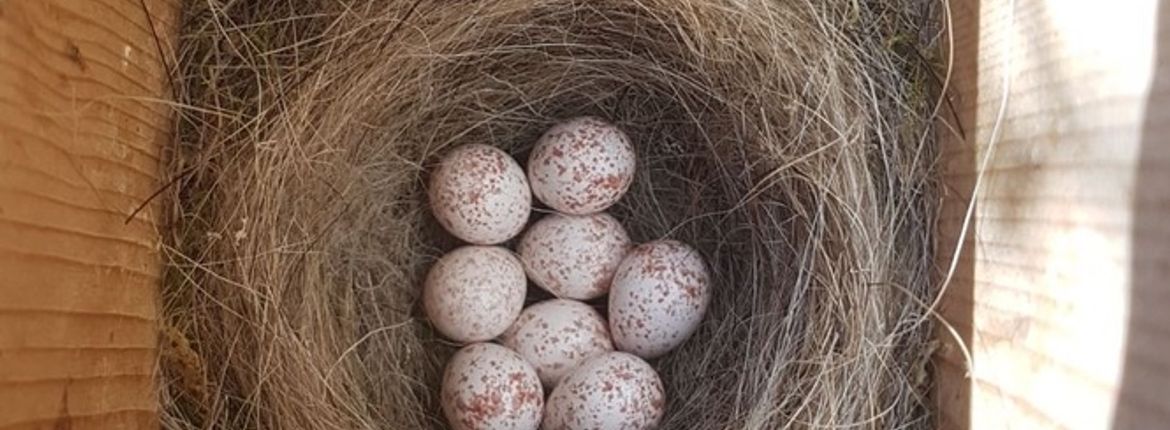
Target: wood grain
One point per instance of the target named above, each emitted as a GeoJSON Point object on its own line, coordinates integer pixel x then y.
{"type": "Point", "coordinates": [1063, 282]}
{"type": "Point", "coordinates": [81, 129]}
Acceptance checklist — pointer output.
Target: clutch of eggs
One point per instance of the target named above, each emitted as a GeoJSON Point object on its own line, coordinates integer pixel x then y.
{"type": "Point", "coordinates": [594, 368]}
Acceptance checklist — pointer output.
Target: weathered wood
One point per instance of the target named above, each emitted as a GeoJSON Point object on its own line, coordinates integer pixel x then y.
{"type": "Point", "coordinates": [81, 129]}
{"type": "Point", "coordinates": [1065, 275]}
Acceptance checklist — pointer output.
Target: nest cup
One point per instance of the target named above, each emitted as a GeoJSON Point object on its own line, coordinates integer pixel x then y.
{"type": "Point", "coordinates": [789, 142]}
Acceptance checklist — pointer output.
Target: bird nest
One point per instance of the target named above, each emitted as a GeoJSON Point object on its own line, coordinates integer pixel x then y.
{"type": "Point", "coordinates": [790, 142]}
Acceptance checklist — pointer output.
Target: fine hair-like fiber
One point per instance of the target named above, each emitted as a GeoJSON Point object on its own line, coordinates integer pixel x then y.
{"type": "Point", "coordinates": [791, 142]}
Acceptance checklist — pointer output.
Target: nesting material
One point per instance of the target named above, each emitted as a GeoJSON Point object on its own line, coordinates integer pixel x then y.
{"type": "Point", "coordinates": [789, 142]}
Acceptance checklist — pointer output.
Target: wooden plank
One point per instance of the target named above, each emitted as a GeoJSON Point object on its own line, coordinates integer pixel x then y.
{"type": "Point", "coordinates": [80, 143]}
{"type": "Point", "coordinates": [952, 389]}
{"type": "Point", "coordinates": [1062, 290]}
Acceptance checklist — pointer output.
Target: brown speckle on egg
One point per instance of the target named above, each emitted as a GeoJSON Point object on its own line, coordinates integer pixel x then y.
{"type": "Point", "coordinates": [659, 295]}
{"type": "Point", "coordinates": [615, 390]}
{"type": "Point", "coordinates": [581, 166]}
{"type": "Point", "coordinates": [474, 293]}
{"type": "Point", "coordinates": [555, 336]}
{"type": "Point", "coordinates": [573, 256]}
{"type": "Point", "coordinates": [480, 194]}
{"type": "Point", "coordinates": [487, 386]}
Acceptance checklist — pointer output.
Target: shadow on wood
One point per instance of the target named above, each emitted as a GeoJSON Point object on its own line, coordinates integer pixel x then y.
{"type": "Point", "coordinates": [952, 389]}
{"type": "Point", "coordinates": [1143, 401]}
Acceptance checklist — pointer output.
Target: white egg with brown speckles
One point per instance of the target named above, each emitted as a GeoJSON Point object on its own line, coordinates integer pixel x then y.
{"type": "Point", "coordinates": [574, 256]}
{"type": "Point", "coordinates": [555, 336]}
{"type": "Point", "coordinates": [659, 295]}
{"type": "Point", "coordinates": [480, 194]}
{"type": "Point", "coordinates": [581, 166]}
{"type": "Point", "coordinates": [489, 387]}
{"type": "Point", "coordinates": [474, 293]}
{"type": "Point", "coordinates": [612, 391]}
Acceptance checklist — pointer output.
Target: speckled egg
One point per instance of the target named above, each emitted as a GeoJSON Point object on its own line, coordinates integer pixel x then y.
{"type": "Point", "coordinates": [658, 297]}
{"type": "Point", "coordinates": [574, 256]}
{"type": "Point", "coordinates": [555, 336]}
{"type": "Point", "coordinates": [480, 195]}
{"type": "Point", "coordinates": [614, 391]}
{"type": "Point", "coordinates": [581, 166]}
{"type": "Point", "coordinates": [474, 293]}
{"type": "Point", "coordinates": [487, 386]}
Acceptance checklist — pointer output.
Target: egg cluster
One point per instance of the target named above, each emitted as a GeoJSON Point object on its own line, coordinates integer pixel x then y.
{"type": "Point", "coordinates": [593, 368]}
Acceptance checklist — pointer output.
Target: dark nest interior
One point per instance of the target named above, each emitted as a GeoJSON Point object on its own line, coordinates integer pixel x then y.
{"type": "Point", "coordinates": [791, 141]}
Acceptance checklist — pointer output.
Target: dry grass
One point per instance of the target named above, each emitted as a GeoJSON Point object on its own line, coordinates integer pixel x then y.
{"type": "Point", "coordinates": [790, 141]}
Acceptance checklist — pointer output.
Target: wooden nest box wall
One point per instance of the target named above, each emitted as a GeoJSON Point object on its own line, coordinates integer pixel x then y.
{"type": "Point", "coordinates": [1060, 132]}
